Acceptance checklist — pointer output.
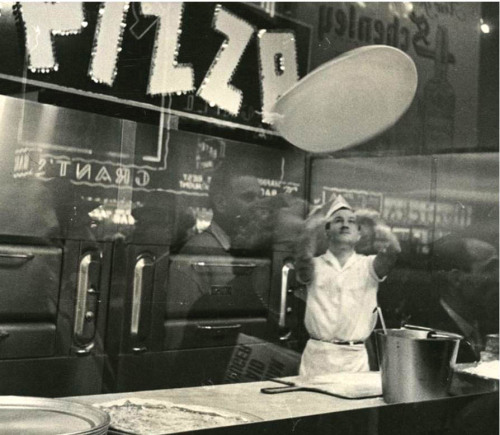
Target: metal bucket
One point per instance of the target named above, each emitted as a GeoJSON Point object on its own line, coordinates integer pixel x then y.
{"type": "Point", "coordinates": [415, 364]}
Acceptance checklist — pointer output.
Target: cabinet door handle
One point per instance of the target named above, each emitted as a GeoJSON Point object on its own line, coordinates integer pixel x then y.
{"type": "Point", "coordinates": [242, 265]}
{"type": "Point", "coordinates": [17, 256]}
{"type": "Point", "coordinates": [285, 271]}
{"type": "Point", "coordinates": [219, 327]}
{"type": "Point", "coordinates": [87, 299]}
{"type": "Point", "coordinates": [142, 288]}
{"type": "Point", "coordinates": [9, 259]}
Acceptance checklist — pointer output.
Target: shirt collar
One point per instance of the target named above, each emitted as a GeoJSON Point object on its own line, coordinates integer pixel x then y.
{"type": "Point", "coordinates": [220, 235]}
{"type": "Point", "coordinates": [332, 259]}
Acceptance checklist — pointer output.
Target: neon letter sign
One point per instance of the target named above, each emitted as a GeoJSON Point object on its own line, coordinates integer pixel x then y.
{"type": "Point", "coordinates": [278, 67]}
{"type": "Point", "coordinates": [215, 88]}
{"type": "Point", "coordinates": [44, 20]}
{"type": "Point", "coordinates": [167, 77]}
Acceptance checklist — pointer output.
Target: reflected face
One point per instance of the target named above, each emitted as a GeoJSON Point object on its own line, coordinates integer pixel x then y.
{"type": "Point", "coordinates": [343, 228]}
{"type": "Point", "coordinates": [245, 191]}
{"type": "Point", "coordinates": [481, 279]}
{"type": "Point", "coordinates": [478, 284]}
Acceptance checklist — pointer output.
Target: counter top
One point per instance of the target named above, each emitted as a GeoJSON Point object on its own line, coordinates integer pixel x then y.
{"type": "Point", "coordinates": [309, 412]}
{"type": "Point", "coordinates": [246, 397]}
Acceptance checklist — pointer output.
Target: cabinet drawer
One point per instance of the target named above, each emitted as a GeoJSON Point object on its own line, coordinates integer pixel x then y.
{"type": "Point", "coordinates": [217, 286]}
{"type": "Point", "coordinates": [194, 334]}
{"type": "Point", "coordinates": [22, 340]}
{"type": "Point", "coordinates": [29, 282]}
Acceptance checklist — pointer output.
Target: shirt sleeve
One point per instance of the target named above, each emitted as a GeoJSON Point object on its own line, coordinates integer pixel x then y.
{"type": "Point", "coordinates": [371, 269]}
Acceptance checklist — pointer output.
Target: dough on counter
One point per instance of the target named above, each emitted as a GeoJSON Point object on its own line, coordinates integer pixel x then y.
{"type": "Point", "coordinates": [156, 417]}
{"type": "Point", "coordinates": [489, 369]}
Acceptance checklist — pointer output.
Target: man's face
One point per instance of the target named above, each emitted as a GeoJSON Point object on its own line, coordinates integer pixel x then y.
{"type": "Point", "coordinates": [343, 228]}
{"type": "Point", "coordinates": [477, 287]}
{"type": "Point", "coordinates": [475, 283]}
{"type": "Point", "coordinates": [245, 190]}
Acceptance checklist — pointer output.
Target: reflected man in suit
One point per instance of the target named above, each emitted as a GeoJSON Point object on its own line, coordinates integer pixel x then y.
{"type": "Point", "coordinates": [232, 195]}
{"type": "Point", "coordinates": [466, 280]}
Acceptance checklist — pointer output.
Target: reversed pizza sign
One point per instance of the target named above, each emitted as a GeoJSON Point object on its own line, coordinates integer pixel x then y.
{"type": "Point", "coordinates": [229, 61]}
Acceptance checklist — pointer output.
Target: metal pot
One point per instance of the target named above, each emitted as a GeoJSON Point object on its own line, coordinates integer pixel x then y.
{"type": "Point", "coordinates": [416, 363]}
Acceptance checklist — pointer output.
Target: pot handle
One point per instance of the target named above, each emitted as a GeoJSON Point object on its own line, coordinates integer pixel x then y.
{"type": "Point", "coordinates": [433, 333]}
{"type": "Point", "coordinates": [418, 328]}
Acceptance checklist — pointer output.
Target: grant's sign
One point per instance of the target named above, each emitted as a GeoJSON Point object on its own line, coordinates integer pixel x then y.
{"type": "Point", "coordinates": [229, 61]}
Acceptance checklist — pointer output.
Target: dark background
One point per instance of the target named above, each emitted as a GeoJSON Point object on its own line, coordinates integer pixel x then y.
{"type": "Point", "coordinates": [488, 79]}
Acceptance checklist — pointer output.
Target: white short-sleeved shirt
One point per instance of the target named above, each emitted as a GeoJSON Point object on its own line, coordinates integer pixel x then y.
{"type": "Point", "coordinates": [342, 301]}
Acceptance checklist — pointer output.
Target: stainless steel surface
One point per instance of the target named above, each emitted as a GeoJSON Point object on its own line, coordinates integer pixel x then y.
{"type": "Point", "coordinates": [26, 340]}
{"type": "Point", "coordinates": [219, 327]}
{"type": "Point", "coordinates": [201, 285]}
{"type": "Point", "coordinates": [215, 264]}
{"type": "Point", "coordinates": [87, 298]}
{"type": "Point", "coordinates": [17, 256]}
{"type": "Point", "coordinates": [284, 291]}
{"type": "Point", "coordinates": [414, 364]}
{"type": "Point", "coordinates": [381, 317]}
{"type": "Point", "coordinates": [137, 292]}
{"type": "Point", "coordinates": [40, 416]}
{"type": "Point", "coordinates": [81, 293]}
{"type": "Point", "coordinates": [24, 268]}
{"type": "Point", "coordinates": [433, 333]}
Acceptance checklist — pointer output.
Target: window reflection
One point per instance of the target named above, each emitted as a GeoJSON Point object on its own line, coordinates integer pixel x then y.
{"type": "Point", "coordinates": [218, 215]}
{"type": "Point", "coordinates": [220, 223]}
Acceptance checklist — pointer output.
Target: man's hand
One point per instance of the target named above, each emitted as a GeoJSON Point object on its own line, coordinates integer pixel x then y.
{"type": "Point", "coordinates": [307, 245]}
{"type": "Point", "coordinates": [384, 240]}
{"type": "Point", "coordinates": [388, 249]}
{"type": "Point", "coordinates": [377, 238]}
{"type": "Point", "coordinates": [367, 221]}
{"type": "Point", "coordinates": [314, 237]}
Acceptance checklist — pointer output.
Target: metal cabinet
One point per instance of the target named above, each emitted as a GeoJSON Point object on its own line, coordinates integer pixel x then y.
{"type": "Point", "coordinates": [52, 317]}
{"type": "Point", "coordinates": [29, 291]}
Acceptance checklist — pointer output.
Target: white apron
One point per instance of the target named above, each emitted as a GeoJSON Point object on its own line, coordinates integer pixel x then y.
{"type": "Point", "coordinates": [341, 306]}
{"type": "Point", "coordinates": [321, 358]}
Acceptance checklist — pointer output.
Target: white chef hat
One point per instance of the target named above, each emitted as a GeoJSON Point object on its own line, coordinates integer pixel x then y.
{"type": "Point", "coordinates": [336, 205]}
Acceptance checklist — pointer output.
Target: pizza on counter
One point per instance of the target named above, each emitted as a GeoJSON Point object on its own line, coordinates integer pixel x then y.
{"type": "Point", "coordinates": [159, 417]}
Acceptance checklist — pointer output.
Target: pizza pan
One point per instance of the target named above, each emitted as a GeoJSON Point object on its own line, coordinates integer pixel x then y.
{"type": "Point", "coordinates": [41, 416]}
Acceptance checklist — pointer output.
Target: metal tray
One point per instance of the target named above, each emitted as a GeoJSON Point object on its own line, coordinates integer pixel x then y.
{"type": "Point", "coordinates": [41, 416]}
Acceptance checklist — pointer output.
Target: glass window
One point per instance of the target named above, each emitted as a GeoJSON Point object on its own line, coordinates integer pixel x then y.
{"type": "Point", "coordinates": [157, 231]}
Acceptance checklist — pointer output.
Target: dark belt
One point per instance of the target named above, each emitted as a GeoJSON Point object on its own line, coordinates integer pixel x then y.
{"type": "Point", "coordinates": [340, 342]}
{"type": "Point", "coordinates": [347, 343]}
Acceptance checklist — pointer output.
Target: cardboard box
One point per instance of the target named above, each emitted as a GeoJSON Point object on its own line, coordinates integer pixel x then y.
{"type": "Point", "coordinates": [255, 360]}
